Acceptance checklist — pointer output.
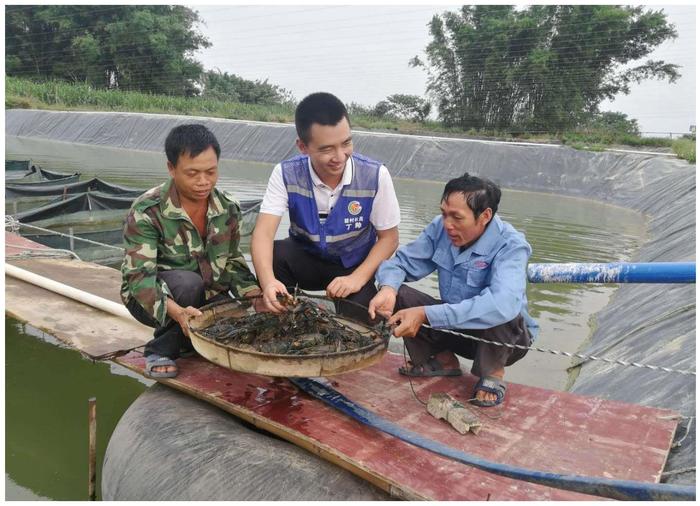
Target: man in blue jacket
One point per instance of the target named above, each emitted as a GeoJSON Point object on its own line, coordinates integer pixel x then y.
{"type": "Point", "coordinates": [343, 214]}
{"type": "Point", "coordinates": [481, 262]}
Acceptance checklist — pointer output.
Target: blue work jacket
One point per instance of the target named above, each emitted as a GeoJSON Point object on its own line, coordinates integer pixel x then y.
{"type": "Point", "coordinates": [481, 287]}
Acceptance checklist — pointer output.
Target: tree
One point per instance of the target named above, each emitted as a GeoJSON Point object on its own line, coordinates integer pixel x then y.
{"type": "Point", "coordinates": [356, 109]}
{"type": "Point", "coordinates": [147, 48]}
{"type": "Point", "coordinates": [614, 122]}
{"type": "Point", "coordinates": [383, 109]}
{"type": "Point", "coordinates": [224, 86]}
{"type": "Point", "coordinates": [545, 67]}
{"type": "Point", "coordinates": [411, 107]}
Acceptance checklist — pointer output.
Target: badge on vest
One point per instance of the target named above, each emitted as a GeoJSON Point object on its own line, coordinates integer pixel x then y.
{"type": "Point", "coordinates": [354, 208]}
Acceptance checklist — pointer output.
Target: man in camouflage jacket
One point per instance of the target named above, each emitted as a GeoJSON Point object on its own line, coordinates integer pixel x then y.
{"type": "Point", "coordinates": [181, 241]}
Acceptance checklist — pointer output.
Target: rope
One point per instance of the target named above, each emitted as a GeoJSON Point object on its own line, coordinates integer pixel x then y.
{"type": "Point", "coordinates": [410, 382]}
{"type": "Point", "coordinates": [42, 252]}
{"type": "Point", "coordinates": [567, 354]}
{"type": "Point", "coordinates": [687, 431]}
{"type": "Point", "coordinates": [660, 318]}
{"type": "Point", "coordinates": [11, 222]}
{"type": "Point", "coordinates": [679, 471]}
{"type": "Point", "coordinates": [541, 350]}
{"type": "Point", "coordinates": [476, 413]}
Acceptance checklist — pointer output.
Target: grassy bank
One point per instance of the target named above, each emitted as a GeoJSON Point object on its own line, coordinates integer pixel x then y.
{"type": "Point", "coordinates": [684, 148]}
{"type": "Point", "coordinates": [25, 94]}
{"type": "Point", "coordinates": [21, 93]}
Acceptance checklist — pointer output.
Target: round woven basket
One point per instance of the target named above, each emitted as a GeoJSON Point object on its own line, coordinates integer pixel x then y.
{"type": "Point", "coordinates": [270, 364]}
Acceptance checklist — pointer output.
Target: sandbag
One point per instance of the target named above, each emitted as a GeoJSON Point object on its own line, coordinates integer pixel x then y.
{"type": "Point", "coordinates": [170, 446]}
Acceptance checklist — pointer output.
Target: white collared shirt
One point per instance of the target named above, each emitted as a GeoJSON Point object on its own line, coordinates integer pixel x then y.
{"type": "Point", "coordinates": [385, 209]}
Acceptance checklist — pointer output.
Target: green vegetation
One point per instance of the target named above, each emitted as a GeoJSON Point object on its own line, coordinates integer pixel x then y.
{"type": "Point", "coordinates": [25, 94]}
{"type": "Point", "coordinates": [494, 71]}
{"type": "Point", "coordinates": [147, 48]}
{"type": "Point", "coordinates": [22, 93]}
{"type": "Point", "coordinates": [410, 107]}
{"type": "Point", "coordinates": [685, 148]}
{"type": "Point", "coordinates": [130, 47]}
{"type": "Point", "coordinates": [543, 68]}
{"type": "Point", "coordinates": [219, 85]}
{"type": "Point", "coordinates": [601, 129]}
{"type": "Point", "coordinates": [607, 138]}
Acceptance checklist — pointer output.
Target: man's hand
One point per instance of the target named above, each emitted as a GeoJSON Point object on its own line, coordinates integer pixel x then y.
{"type": "Point", "coordinates": [181, 314]}
{"type": "Point", "coordinates": [257, 300]}
{"type": "Point", "coordinates": [342, 286]}
{"type": "Point", "coordinates": [410, 321]}
{"type": "Point", "coordinates": [270, 292]}
{"type": "Point", "coordinates": [382, 303]}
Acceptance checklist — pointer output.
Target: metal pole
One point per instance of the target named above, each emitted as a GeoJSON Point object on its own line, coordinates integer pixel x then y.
{"type": "Point", "coordinates": [71, 239]}
{"type": "Point", "coordinates": [92, 429]}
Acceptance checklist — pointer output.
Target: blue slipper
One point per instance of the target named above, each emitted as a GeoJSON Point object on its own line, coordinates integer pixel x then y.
{"type": "Point", "coordinates": [158, 361]}
{"type": "Point", "coordinates": [492, 385]}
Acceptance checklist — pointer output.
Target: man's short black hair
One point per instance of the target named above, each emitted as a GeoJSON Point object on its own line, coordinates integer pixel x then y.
{"type": "Point", "coordinates": [322, 108]}
{"type": "Point", "coordinates": [191, 139]}
{"type": "Point", "coordinates": [479, 193]}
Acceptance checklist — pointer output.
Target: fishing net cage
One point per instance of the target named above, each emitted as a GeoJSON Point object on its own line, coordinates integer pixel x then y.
{"type": "Point", "coordinates": [91, 224]}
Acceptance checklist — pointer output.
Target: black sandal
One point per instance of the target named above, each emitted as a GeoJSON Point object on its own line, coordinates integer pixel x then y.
{"type": "Point", "coordinates": [431, 368]}
{"type": "Point", "coordinates": [492, 385]}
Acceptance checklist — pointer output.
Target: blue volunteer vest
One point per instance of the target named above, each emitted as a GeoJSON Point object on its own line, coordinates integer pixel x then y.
{"type": "Point", "coordinates": [347, 236]}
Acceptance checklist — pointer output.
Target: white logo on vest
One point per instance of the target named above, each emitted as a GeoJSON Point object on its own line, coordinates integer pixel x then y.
{"type": "Point", "coordinates": [354, 208]}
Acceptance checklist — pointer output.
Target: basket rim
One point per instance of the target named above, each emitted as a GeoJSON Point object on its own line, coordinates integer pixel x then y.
{"type": "Point", "coordinates": [379, 340]}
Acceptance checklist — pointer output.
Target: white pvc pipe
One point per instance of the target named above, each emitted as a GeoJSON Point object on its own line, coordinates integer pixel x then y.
{"type": "Point", "coordinates": [68, 291]}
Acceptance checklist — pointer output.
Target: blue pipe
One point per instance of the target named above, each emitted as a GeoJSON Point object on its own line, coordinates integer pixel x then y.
{"type": "Point", "coordinates": [656, 272]}
{"type": "Point", "coordinates": [602, 487]}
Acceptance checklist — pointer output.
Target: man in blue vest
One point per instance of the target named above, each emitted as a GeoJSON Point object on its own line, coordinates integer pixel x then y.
{"type": "Point", "coordinates": [481, 263]}
{"type": "Point", "coordinates": [343, 214]}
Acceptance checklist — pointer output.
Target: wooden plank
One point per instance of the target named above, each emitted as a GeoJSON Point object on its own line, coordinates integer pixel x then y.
{"type": "Point", "coordinates": [536, 428]}
{"type": "Point", "coordinates": [91, 331]}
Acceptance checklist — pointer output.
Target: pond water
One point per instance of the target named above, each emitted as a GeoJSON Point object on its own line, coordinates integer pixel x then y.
{"type": "Point", "coordinates": [560, 229]}
{"type": "Point", "coordinates": [47, 387]}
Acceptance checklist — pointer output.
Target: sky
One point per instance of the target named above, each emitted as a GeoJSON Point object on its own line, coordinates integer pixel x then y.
{"type": "Point", "coordinates": [360, 53]}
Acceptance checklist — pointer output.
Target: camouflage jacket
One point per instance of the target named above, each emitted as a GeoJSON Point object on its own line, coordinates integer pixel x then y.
{"type": "Point", "coordinates": [159, 235]}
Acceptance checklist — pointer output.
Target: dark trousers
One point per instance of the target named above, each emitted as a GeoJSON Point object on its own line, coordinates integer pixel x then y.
{"type": "Point", "coordinates": [487, 358]}
{"type": "Point", "coordinates": [187, 289]}
{"type": "Point", "coordinates": [293, 266]}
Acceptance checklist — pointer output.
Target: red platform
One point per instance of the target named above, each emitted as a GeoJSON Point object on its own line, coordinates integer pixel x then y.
{"type": "Point", "coordinates": [535, 428]}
